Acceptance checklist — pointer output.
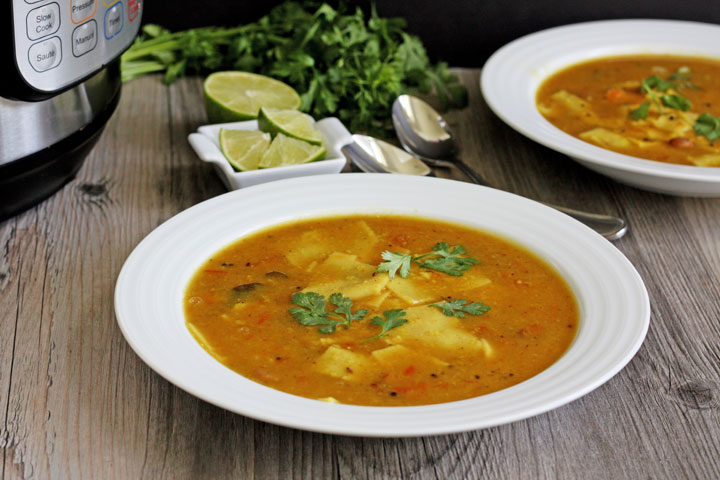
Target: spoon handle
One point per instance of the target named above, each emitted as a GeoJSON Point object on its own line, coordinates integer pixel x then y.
{"type": "Point", "coordinates": [469, 172]}
{"type": "Point", "coordinates": [608, 226]}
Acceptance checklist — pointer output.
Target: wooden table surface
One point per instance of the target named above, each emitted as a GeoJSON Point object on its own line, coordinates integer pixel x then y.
{"type": "Point", "coordinates": [76, 402]}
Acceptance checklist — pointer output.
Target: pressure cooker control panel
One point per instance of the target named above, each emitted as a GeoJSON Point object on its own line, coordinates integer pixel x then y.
{"type": "Point", "coordinates": [58, 43]}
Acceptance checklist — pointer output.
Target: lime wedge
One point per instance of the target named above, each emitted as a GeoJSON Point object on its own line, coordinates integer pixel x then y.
{"type": "Point", "coordinates": [289, 122]}
{"type": "Point", "coordinates": [290, 151]}
{"type": "Point", "coordinates": [234, 96]}
{"type": "Point", "coordinates": [242, 148]}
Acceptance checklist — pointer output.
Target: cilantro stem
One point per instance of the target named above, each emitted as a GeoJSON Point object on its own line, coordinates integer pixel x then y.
{"type": "Point", "coordinates": [137, 69]}
{"type": "Point", "coordinates": [165, 44]}
{"type": "Point", "coordinates": [646, 88]}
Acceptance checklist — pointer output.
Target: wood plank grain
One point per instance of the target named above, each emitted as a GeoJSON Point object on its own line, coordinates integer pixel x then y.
{"type": "Point", "coordinates": [8, 320]}
{"type": "Point", "coordinates": [25, 273]}
{"type": "Point", "coordinates": [63, 392]}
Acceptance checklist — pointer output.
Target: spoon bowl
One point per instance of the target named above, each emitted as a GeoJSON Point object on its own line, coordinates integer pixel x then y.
{"type": "Point", "coordinates": [421, 129]}
{"type": "Point", "coordinates": [376, 156]}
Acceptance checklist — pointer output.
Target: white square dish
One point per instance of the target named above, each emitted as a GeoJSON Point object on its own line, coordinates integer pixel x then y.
{"type": "Point", "coordinates": [207, 146]}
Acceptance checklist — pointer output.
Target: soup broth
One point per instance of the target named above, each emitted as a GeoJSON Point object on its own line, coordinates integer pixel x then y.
{"type": "Point", "coordinates": [326, 309]}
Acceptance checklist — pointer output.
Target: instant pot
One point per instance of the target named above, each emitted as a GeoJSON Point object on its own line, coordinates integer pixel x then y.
{"type": "Point", "coordinates": [60, 85]}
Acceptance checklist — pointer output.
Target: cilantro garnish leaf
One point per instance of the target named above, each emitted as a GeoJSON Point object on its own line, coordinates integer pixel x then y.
{"type": "Point", "coordinates": [658, 84]}
{"type": "Point", "coordinates": [458, 308]}
{"type": "Point", "coordinates": [394, 262]}
{"type": "Point", "coordinates": [448, 259]}
{"type": "Point", "coordinates": [311, 311]}
{"type": "Point", "coordinates": [676, 101]}
{"type": "Point", "coordinates": [330, 327]}
{"type": "Point", "coordinates": [654, 84]}
{"type": "Point", "coordinates": [708, 126]}
{"type": "Point", "coordinates": [344, 305]}
{"type": "Point", "coordinates": [442, 258]}
{"type": "Point", "coordinates": [641, 112]}
{"type": "Point", "coordinates": [393, 319]}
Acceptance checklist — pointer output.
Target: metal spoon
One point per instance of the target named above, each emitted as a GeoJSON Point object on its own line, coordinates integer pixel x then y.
{"type": "Point", "coordinates": [422, 131]}
{"type": "Point", "coordinates": [376, 156]}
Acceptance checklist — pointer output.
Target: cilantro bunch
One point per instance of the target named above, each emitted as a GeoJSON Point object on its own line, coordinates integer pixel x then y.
{"type": "Point", "coordinates": [345, 64]}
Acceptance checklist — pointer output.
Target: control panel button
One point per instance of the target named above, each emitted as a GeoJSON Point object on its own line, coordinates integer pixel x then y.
{"type": "Point", "coordinates": [46, 54]}
{"type": "Point", "coordinates": [113, 20]}
{"type": "Point", "coordinates": [133, 9]}
{"type": "Point", "coordinates": [84, 38]}
{"type": "Point", "coordinates": [43, 21]}
{"type": "Point", "coordinates": [81, 10]}
{"type": "Point", "coordinates": [70, 38]}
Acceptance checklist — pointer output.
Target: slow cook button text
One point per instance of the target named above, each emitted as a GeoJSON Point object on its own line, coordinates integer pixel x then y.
{"type": "Point", "coordinates": [43, 21]}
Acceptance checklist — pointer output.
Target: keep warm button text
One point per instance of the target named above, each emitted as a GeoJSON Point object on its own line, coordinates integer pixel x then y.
{"type": "Point", "coordinates": [84, 38]}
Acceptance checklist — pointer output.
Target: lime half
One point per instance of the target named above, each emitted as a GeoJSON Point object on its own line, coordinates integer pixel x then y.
{"type": "Point", "coordinates": [289, 122]}
{"type": "Point", "coordinates": [234, 96]}
{"type": "Point", "coordinates": [290, 151]}
{"type": "Point", "coordinates": [244, 149]}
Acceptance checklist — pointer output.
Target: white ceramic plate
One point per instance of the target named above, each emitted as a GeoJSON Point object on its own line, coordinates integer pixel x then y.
{"type": "Point", "coordinates": [206, 144]}
{"type": "Point", "coordinates": [613, 302]}
{"type": "Point", "coordinates": [511, 76]}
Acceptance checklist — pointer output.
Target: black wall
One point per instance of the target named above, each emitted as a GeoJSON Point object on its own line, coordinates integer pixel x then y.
{"type": "Point", "coordinates": [462, 32]}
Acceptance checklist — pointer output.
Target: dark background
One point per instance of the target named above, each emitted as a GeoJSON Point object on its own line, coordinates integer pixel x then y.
{"type": "Point", "coordinates": [461, 32]}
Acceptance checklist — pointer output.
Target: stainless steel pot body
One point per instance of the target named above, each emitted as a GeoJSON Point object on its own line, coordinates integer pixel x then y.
{"type": "Point", "coordinates": [27, 128]}
{"type": "Point", "coordinates": [44, 144]}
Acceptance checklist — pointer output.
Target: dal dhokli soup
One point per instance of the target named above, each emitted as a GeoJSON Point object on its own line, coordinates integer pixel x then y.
{"type": "Point", "coordinates": [662, 108]}
{"type": "Point", "coordinates": [380, 310]}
